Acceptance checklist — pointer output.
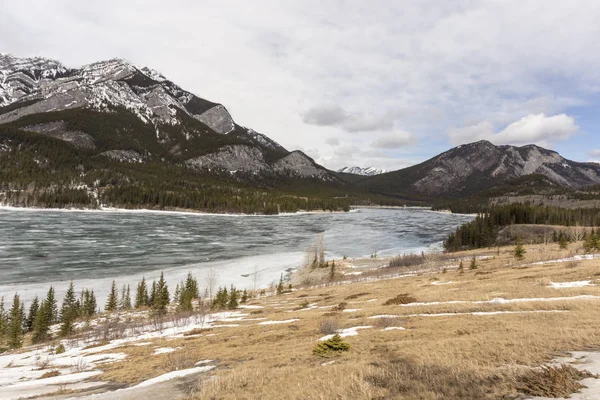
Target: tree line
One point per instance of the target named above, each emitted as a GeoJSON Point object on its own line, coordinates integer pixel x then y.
{"type": "Point", "coordinates": [16, 321]}
{"type": "Point", "coordinates": [483, 230]}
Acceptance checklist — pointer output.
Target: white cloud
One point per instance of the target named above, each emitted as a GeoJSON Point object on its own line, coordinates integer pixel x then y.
{"type": "Point", "coordinates": [531, 129]}
{"type": "Point", "coordinates": [594, 153]}
{"type": "Point", "coordinates": [421, 67]}
{"type": "Point", "coordinates": [395, 141]}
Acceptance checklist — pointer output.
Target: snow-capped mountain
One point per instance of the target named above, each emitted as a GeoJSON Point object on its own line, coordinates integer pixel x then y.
{"type": "Point", "coordinates": [40, 95]}
{"type": "Point", "coordinates": [368, 171]}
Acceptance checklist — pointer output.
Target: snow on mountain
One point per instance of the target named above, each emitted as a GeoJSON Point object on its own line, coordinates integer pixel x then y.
{"type": "Point", "coordinates": [368, 171]}
{"type": "Point", "coordinates": [41, 85]}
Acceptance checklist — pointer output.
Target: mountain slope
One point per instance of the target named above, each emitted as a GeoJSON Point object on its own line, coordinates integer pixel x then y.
{"type": "Point", "coordinates": [468, 169]}
{"type": "Point", "coordinates": [112, 133]}
{"type": "Point", "coordinates": [148, 118]}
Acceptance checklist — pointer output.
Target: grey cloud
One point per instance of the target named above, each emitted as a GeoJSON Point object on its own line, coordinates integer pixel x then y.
{"type": "Point", "coordinates": [332, 141]}
{"type": "Point", "coordinates": [336, 116]}
{"type": "Point", "coordinates": [395, 141]}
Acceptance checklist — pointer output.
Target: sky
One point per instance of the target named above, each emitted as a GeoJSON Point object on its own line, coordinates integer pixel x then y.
{"type": "Point", "coordinates": [383, 83]}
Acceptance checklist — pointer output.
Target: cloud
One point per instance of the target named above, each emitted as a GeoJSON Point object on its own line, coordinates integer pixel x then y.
{"type": "Point", "coordinates": [531, 129]}
{"type": "Point", "coordinates": [303, 74]}
{"type": "Point", "coordinates": [395, 141]}
{"type": "Point", "coordinates": [332, 141]}
{"type": "Point", "coordinates": [333, 115]}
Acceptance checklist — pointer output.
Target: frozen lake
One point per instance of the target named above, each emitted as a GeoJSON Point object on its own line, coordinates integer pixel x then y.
{"type": "Point", "coordinates": [43, 247]}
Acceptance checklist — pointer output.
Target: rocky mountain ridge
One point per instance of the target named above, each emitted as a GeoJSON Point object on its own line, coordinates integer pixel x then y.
{"type": "Point", "coordinates": [195, 131]}
{"type": "Point", "coordinates": [470, 168]}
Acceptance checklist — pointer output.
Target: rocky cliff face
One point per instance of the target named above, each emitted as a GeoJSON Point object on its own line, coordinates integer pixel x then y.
{"type": "Point", "coordinates": [173, 123]}
{"type": "Point", "coordinates": [467, 169]}
{"type": "Point", "coordinates": [356, 170]}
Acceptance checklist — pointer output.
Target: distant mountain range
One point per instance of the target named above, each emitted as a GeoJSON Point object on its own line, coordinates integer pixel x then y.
{"type": "Point", "coordinates": [128, 136]}
{"type": "Point", "coordinates": [368, 171]}
{"type": "Point", "coordinates": [471, 168]}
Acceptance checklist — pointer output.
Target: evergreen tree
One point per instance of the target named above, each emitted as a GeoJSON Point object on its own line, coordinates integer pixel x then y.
{"type": "Point", "coordinates": [68, 312]}
{"type": "Point", "coordinates": [89, 303]}
{"type": "Point", "coordinates": [125, 303]}
{"type": "Point", "coordinates": [191, 286]}
{"type": "Point", "coordinates": [473, 263]}
{"type": "Point", "coordinates": [519, 250]}
{"type": "Point", "coordinates": [15, 323]}
{"type": "Point", "coordinates": [51, 306]}
{"type": "Point", "coordinates": [113, 298]}
{"type": "Point", "coordinates": [152, 297]}
{"type": "Point", "coordinates": [41, 324]}
{"type": "Point", "coordinates": [141, 295]}
{"type": "Point", "coordinates": [563, 243]}
{"type": "Point", "coordinates": [332, 271]}
{"type": "Point", "coordinates": [3, 319]}
{"type": "Point", "coordinates": [233, 299]}
{"type": "Point", "coordinates": [244, 296]}
{"type": "Point", "coordinates": [280, 285]}
{"type": "Point", "coordinates": [33, 311]}
{"type": "Point", "coordinates": [161, 297]}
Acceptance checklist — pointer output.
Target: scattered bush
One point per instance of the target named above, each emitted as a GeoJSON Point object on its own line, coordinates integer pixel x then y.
{"type": "Point", "coordinates": [329, 326]}
{"type": "Point", "coordinates": [331, 347]}
{"type": "Point", "coordinates": [340, 307]}
{"type": "Point", "coordinates": [559, 381]}
{"type": "Point", "coordinates": [387, 322]}
{"type": "Point", "coordinates": [356, 296]}
{"type": "Point", "coordinates": [50, 374]}
{"type": "Point", "coordinates": [177, 361]}
{"type": "Point", "coordinates": [403, 298]}
{"type": "Point", "coordinates": [60, 349]}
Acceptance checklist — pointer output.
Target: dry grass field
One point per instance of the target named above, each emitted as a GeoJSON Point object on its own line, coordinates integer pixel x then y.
{"type": "Point", "coordinates": [469, 335]}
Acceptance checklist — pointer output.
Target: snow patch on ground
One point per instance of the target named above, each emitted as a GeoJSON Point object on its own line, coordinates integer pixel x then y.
{"type": "Point", "coordinates": [346, 332]}
{"type": "Point", "coordinates": [164, 350]}
{"type": "Point", "coordinates": [172, 375]}
{"type": "Point", "coordinates": [287, 321]}
{"type": "Point", "coordinates": [250, 307]}
{"type": "Point", "coordinates": [383, 316]}
{"type": "Point", "coordinates": [483, 313]}
{"type": "Point", "coordinates": [394, 328]}
{"type": "Point", "coordinates": [352, 309]}
{"type": "Point", "coordinates": [436, 283]}
{"type": "Point", "coordinates": [500, 300]}
{"type": "Point", "coordinates": [564, 285]}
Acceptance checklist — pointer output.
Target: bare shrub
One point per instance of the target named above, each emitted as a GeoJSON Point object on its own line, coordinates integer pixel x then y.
{"type": "Point", "coordinates": [559, 381]}
{"type": "Point", "coordinates": [177, 361]}
{"type": "Point", "coordinates": [340, 307]}
{"type": "Point", "coordinates": [80, 365]}
{"type": "Point", "coordinates": [356, 296]}
{"type": "Point", "coordinates": [407, 260]}
{"type": "Point", "coordinates": [403, 298]}
{"type": "Point", "coordinates": [387, 322]}
{"type": "Point", "coordinates": [42, 362]}
{"type": "Point", "coordinates": [50, 374]}
{"type": "Point", "coordinates": [328, 326]}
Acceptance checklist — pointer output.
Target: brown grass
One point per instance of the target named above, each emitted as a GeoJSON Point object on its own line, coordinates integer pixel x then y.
{"type": "Point", "coordinates": [443, 357]}
{"type": "Point", "coordinates": [403, 298]}
{"type": "Point", "coordinates": [558, 381]}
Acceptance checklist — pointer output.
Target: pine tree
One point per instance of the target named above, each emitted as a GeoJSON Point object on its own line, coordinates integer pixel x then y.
{"type": "Point", "coordinates": [519, 250]}
{"type": "Point", "coordinates": [68, 312]}
{"type": "Point", "coordinates": [41, 325]}
{"type": "Point", "coordinates": [15, 324]}
{"type": "Point", "coordinates": [191, 286]}
{"type": "Point", "coordinates": [33, 311]}
{"type": "Point", "coordinates": [89, 303]}
{"type": "Point", "coordinates": [563, 243]}
{"type": "Point", "coordinates": [473, 263]}
{"type": "Point", "coordinates": [161, 297]}
{"type": "Point", "coordinates": [280, 285]}
{"type": "Point", "coordinates": [244, 296]}
{"type": "Point", "coordinates": [113, 298]}
{"type": "Point", "coordinates": [152, 297]}
{"type": "Point", "coordinates": [332, 271]}
{"type": "Point", "coordinates": [125, 302]}
{"type": "Point", "coordinates": [51, 306]}
{"type": "Point", "coordinates": [3, 319]}
{"type": "Point", "coordinates": [141, 295]}
{"type": "Point", "coordinates": [233, 298]}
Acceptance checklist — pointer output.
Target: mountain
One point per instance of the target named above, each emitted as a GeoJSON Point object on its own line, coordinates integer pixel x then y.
{"type": "Point", "coordinates": [39, 95]}
{"type": "Point", "coordinates": [471, 168]}
{"type": "Point", "coordinates": [368, 171]}
{"type": "Point", "coordinates": [130, 127]}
